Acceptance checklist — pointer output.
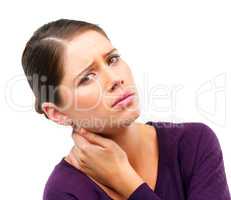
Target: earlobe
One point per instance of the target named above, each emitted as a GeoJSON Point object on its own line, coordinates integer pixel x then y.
{"type": "Point", "coordinates": [64, 120]}
{"type": "Point", "coordinates": [68, 122]}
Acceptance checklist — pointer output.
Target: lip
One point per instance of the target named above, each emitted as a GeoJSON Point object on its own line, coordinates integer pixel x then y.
{"type": "Point", "coordinates": [122, 97]}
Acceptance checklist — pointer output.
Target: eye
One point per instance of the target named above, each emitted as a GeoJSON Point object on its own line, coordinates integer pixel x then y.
{"type": "Point", "coordinates": [85, 79]}
{"type": "Point", "coordinates": [114, 58]}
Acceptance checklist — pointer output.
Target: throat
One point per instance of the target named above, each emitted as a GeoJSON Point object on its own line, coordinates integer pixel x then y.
{"type": "Point", "coordinates": [146, 160]}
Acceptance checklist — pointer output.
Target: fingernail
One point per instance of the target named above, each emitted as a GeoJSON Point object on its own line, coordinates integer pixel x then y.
{"type": "Point", "coordinates": [81, 131]}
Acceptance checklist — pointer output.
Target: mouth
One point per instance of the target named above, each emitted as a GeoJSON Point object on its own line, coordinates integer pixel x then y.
{"type": "Point", "coordinates": [123, 99]}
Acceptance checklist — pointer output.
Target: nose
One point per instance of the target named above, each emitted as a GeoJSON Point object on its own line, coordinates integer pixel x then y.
{"type": "Point", "coordinates": [116, 83]}
{"type": "Point", "coordinates": [113, 80]}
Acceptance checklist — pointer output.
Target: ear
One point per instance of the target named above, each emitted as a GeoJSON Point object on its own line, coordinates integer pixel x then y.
{"type": "Point", "coordinates": [54, 114]}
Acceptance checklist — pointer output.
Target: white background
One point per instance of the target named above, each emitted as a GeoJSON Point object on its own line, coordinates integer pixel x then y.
{"type": "Point", "coordinates": [181, 48]}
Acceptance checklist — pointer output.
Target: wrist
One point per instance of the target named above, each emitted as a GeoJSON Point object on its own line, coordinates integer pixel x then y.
{"type": "Point", "coordinates": [127, 183]}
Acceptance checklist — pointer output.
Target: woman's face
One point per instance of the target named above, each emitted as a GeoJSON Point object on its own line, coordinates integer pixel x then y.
{"type": "Point", "coordinates": [88, 93]}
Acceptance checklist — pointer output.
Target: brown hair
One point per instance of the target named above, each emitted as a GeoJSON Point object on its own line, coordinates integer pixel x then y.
{"type": "Point", "coordinates": [42, 58]}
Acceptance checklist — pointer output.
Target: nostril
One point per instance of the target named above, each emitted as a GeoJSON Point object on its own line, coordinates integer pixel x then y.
{"type": "Point", "coordinates": [113, 87]}
{"type": "Point", "coordinates": [116, 83]}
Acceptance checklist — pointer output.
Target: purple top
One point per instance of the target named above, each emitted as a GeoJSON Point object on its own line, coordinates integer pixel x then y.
{"type": "Point", "coordinates": [190, 167]}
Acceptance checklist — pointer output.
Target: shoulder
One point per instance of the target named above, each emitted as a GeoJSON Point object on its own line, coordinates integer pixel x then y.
{"type": "Point", "coordinates": [67, 183]}
{"type": "Point", "coordinates": [195, 148]}
{"type": "Point", "coordinates": [180, 136]}
{"type": "Point", "coordinates": [198, 140]}
{"type": "Point", "coordinates": [186, 137]}
{"type": "Point", "coordinates": [187, 144]}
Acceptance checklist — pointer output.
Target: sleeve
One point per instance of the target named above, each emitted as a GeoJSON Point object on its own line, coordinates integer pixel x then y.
{"type": "Point", "coordinates": [208, 180]}
{"type": "Point", "coordinates": [143, 191]}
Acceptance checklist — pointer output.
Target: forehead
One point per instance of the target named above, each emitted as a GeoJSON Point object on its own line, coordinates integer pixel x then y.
{"type": "Point", "coordinates": [85, 47]}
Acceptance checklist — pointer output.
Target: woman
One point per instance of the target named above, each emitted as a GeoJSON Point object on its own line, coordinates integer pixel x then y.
{"type": "Point", "coordinates": [80, 80]}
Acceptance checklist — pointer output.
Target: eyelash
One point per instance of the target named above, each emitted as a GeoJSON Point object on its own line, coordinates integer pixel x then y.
{"type": "Point", "coordinates": [83, 80]}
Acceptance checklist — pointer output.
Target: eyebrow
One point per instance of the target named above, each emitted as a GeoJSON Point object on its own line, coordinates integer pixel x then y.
{"type": "Point", "coordinates": [91, 65]}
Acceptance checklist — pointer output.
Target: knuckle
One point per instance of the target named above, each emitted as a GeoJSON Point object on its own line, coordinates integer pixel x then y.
{"type": "Point", "coordinates": [75, 151]}
{"type": "Point", "coordinates": [108, 149]}
{"type": "Point", "coordinates": [84, 148]}
{"type": "Point", "coordinates": [81, 164]}
{"type": "Point", "coordinates": [110, 145]}
{"type": "Point", "coordinates": [80, 158]}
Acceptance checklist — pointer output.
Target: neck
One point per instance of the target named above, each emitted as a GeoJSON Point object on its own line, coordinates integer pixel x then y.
{"type": "Point", "coordinates": [130, 139]}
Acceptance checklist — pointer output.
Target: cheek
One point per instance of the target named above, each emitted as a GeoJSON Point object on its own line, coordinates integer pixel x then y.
{"type": "Point", "coordinates": [87, 98]}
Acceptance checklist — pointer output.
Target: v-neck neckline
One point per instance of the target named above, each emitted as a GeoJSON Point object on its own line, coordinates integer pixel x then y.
{"type": "Point", "coordinates": [160, 156]}
{"type": "Point", "coordinates": [159, 165]}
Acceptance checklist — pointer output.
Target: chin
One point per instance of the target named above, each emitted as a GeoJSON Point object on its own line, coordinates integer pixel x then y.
{"type": "Point", "coordinates": [129, 118]}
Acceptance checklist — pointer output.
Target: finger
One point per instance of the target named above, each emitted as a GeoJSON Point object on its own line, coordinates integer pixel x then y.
{"type": "Point", "coordinates": [75, 130]}
{"type": "Point", "coordinates": [85, 143]}
{"type": "Point", "coordinates": [81, 145]}
{"type": "Point", "coordinates": [74, 160]}
{"type": "Point", "coordinates": [94, 138]}
{"type": "Point", "coordinates": [78, 156]}
{"type": "Point", "coordinates": [86, 149]}
{"type": "Point", "coordinates": [80, 141]}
